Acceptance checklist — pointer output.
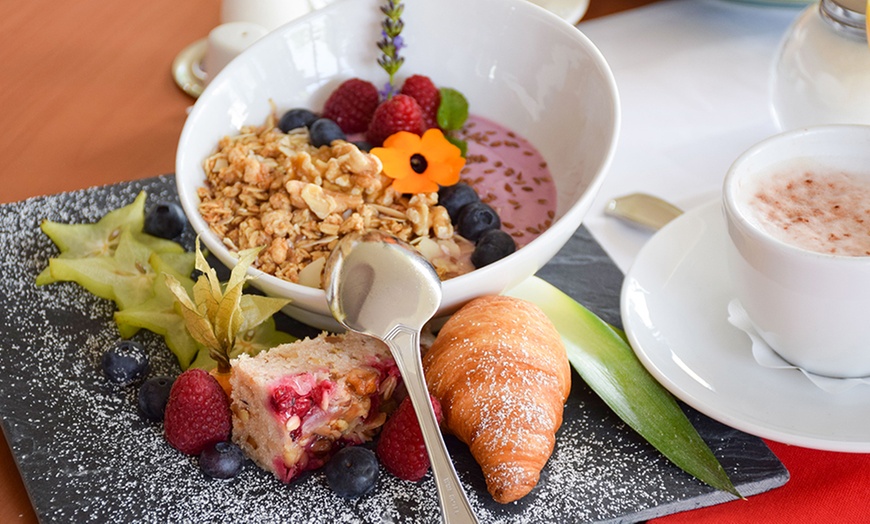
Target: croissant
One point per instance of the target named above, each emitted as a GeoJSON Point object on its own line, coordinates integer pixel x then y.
{"type": "Point", "coordinates": [500, 371]}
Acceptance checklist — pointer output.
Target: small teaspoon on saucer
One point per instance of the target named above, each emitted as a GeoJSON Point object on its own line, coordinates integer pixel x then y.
{"type": "Point", "coordinates": [643, 209]}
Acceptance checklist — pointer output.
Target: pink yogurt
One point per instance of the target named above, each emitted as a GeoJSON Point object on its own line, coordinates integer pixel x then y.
{"type": "Point", "coordinates": [510, 175]}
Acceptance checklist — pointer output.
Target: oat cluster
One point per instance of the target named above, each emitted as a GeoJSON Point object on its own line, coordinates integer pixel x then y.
{"type": "Point", "coordinates": [272, 189]}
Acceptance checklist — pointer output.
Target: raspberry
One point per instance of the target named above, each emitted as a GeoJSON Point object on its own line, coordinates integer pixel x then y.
{"type": "Point", "coordinates": [296, 395]}
{"type": "Point", "coordinates": [400, 113]}
{"type": "Point", "coordinates": [401, 447]}
{"type": "Point", "coordinates": [421, 89]}
{"type": "Point", "coordinates": [352, 105]}
{"type": "Point", "coordinates": [197, 413]}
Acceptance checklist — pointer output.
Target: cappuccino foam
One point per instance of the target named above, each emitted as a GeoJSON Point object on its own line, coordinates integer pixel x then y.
{"type": "Point", "coordinates": [826, 212]}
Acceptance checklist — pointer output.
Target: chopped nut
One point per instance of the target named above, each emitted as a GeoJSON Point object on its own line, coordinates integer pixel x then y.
{"type": "Point", "coordinates": [292, 455]}
{"type": "Point", "coordinates": [278, 250]}
{"type": "Point", "coordinates": [293, 423]}
{"type": "Point", "coordinates": [379, 420]}
{"type": "Point", "coordinates": [318, 202]}
{"type": "Point", "coordinates": [442, 227]}
{"type": "Point", "coordinates": [418, 214]}
{"type": "Point", "coordinates": [387, 387]}
{"type": "Point", "coordinates": [242, 413]}
{"type": "Point", "coordinates": [362, 381]}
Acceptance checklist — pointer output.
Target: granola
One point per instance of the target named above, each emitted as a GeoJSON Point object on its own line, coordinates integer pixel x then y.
{"type": "Point", "coordinates": [273, 189]}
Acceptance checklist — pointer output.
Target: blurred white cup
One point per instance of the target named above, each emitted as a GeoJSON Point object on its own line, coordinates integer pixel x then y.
{"type": "Point", "coordinates": [270, 14]}
{"type": "Point", "coordinates": [226, 42]}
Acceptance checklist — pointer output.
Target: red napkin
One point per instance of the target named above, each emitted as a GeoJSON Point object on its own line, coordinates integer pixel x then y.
{"type": "Point", "coordinates": [824, 487]}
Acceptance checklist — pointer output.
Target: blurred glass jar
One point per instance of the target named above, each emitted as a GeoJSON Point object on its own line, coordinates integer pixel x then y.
{"type": "Point", "coordinates": [822, 70]}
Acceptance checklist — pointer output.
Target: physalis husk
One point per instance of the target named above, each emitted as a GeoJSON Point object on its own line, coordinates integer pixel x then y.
{"type": "Point", "coordinates": [221, 317]}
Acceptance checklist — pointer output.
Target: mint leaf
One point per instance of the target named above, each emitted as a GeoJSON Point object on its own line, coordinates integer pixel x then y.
{"type": "Point", "coordinates": [453, 111]}
{"type": "Point", "coordinates": [461, 144]}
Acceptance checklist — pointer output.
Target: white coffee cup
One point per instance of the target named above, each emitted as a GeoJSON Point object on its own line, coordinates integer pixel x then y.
{"type": "Point", "coordinates": [227, 41]}
{"type": "Point", "coordinates": [812, 308]}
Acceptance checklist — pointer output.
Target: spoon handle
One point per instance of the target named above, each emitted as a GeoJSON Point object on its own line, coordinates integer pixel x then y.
{"type": "Point", "coordinates": [405, 347]}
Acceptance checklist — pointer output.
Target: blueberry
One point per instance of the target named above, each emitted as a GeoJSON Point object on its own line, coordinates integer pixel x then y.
{"type": "Point", "coordinates": [455, 197]}
{"type": "Point", "coordinates": [222, 460]}
{"type": "Point", "coordinates": [153, 396]}
{"type": "Point", "coordinates": [352, 472]}
{"type": "Point", "coordinates": [475, 219]}
{"type": "Point", "coordinates": [323, 131]}
{"type": "Point", "coordinates": [363, 145]}
{"type": "Point", "coordinates": [165, 220]}
{"type": "Point", "coordinates": [125, 363]}
{"type": "Point", "coordinates": [296, 118]}
{"type": "Point", "coordinates": [493, 245]}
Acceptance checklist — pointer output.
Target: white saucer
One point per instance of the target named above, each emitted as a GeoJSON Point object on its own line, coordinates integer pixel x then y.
{"type": "Point", "coordinates": [674, 309]}
{"type": "Point", "coordinates": [187, 68]}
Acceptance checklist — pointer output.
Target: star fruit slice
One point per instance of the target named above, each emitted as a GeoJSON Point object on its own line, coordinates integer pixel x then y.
{"type": "Point", "coordinates": [101, 238]}
{"type": "Point", "coordinates": [159, 314]}
{"type": "Point", "coordinates": [126, 277]}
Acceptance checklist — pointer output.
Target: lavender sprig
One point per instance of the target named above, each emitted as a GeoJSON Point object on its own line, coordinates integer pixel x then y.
{"type": "Point", "coordinates": [391, 42]}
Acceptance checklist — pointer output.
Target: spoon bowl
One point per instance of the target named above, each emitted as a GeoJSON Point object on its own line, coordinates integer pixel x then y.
{"type": "Point", "coordinates": [375, 282]}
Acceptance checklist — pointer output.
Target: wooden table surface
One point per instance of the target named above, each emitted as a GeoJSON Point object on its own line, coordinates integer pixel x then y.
{"type": "Point", "coordinates": [87, 98]}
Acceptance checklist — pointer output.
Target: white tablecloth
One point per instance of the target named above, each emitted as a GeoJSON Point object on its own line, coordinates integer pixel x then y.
{"type": "Point", "coordinates": [693, 81]}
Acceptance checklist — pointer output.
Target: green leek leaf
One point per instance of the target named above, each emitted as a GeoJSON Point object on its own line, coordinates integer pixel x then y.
{"type": "Point", "coordinates": [605, 361]}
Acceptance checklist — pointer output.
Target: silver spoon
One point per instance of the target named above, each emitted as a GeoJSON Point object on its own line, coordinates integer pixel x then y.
{"type": "Point", "coordinates": [379, 286]}
{"type": "Point", "coordinates": [642, 209]}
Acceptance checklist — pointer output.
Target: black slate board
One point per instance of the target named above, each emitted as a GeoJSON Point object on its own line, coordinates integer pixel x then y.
{"type": "Point", "coordinates": [86, 456]}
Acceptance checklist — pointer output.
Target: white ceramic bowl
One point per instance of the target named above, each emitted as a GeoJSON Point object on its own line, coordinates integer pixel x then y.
{"type": "Point", "coordinates": [518, 65]}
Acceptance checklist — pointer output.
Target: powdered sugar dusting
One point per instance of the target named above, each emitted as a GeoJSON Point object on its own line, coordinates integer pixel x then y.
{"type": "Point", "coordinates": [87, 456]}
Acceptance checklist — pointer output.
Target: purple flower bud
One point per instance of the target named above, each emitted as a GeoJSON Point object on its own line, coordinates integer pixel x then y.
{"type": "Point", "coordinates": [387, 92]}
